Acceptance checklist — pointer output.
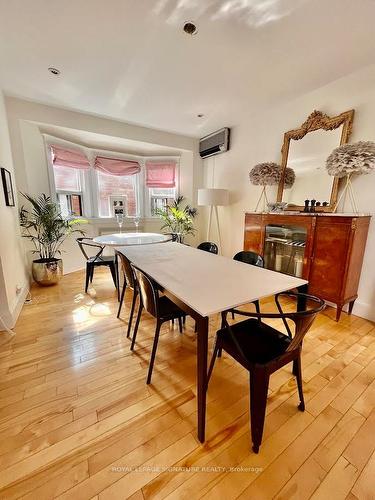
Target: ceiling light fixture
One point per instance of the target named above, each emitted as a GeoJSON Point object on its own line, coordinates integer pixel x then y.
{"type": "Point", "coordinates": [54, 71]}
{"type": "Point", "coordinates": [190, 28]}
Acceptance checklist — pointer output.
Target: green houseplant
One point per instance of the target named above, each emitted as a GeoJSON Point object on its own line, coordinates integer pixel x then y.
{"type": "Point", "coordinates": [47, 230]}
{"type": "Point", "coordinates": [178, 219]}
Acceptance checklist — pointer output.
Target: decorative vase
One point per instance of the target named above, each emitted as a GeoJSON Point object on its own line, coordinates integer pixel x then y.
{"type": "Point", "coordinates": [47, 272]}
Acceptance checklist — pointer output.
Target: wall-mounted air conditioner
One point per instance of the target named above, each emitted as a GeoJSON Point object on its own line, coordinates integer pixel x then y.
{"type": "Point", "coordinates": [215, 143]}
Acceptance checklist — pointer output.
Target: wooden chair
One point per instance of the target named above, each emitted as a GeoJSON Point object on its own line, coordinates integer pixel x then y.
{"type": "Point", "coordinates": [129, 282]}
{"type": "Point", "coordinates": [208, 246]}
{"type": "Point", "coordinates": [161, 308]}
{"type": "Point", "coordinates": [263, 350]}
{"type": "Point", "coordinates": [96, 260]}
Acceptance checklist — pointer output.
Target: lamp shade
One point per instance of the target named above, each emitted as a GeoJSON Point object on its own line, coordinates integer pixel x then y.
{"type": "Point", "coordinates": [213, 197]}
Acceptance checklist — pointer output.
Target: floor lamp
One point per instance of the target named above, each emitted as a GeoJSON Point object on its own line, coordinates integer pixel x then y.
{"type": "Point", "coordinates": [212, 197]}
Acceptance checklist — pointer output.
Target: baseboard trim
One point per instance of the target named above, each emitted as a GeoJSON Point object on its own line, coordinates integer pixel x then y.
{"type": "Point", "coordinates": [364, 310]}
{"type": "Point", "coordinates": [10, 317]}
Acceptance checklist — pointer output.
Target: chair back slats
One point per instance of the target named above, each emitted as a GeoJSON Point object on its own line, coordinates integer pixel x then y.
{"type": "Point", "coordinates": [301, 319]}
{"type": "Point", "coordinates": [127, 270]}
{"type": "Point", "coordinates": [251, 258]}
{"type": "Point", "coordinates": [280, 309]}
{"type": "Point", "coordinates": [148, 291]}
{"type": "Point", "coordinates": [303, 325]}
{"type": "Point", "coordinates": [88, 242]}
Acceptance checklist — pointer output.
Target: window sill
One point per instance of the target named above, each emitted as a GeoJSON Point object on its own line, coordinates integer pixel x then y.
{"type": "Point", "coordinates": [112, 220]}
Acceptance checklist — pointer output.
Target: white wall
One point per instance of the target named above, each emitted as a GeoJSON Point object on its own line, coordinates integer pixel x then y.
{"type": "Point", "coordinates": [32, 169]}
{"type": "Point", "coordinates": [12, 271]}
{"type": "Point", "coordinates": [260, 138]}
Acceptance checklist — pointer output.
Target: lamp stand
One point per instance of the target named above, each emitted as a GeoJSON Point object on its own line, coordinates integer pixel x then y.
{"type": "Point", "coordinates": [347, 191]}
{"type": "Point", "coordinates": [212, 207]}
{"type": "Point", "coordinates": [209, 222]}
{"type": "Point", "coordinates": [262, 198]}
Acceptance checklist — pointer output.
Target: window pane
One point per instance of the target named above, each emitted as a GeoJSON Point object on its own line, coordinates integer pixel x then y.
{"type": "Point", "coordinates": [113, 185]}
{"type": "Point", "coordinates": [163, 192]}
{"type": "Point", "coordinates": [160, 198]}
{"type": "Point", "coordinates": [70, 204]}
{"type": "Point", "coordinates": [66, 179]}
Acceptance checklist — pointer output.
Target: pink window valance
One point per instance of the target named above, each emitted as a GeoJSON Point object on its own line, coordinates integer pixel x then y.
{"type": "Point", "coordinates": [161, 174]}
{"type": "Point", "coordinates": [116, 166]}
{"type": "Point", "coordinates": [63, 157]}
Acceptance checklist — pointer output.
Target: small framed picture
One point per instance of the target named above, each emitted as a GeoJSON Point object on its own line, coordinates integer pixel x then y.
{"type": "Point", "coordinates": [7, 186]}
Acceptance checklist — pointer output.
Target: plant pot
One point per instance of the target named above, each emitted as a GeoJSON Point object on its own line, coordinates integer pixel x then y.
{"type": "Point", "coordinates": [47, 272]}
{"type": "Point", "coordinates": [179, 237]}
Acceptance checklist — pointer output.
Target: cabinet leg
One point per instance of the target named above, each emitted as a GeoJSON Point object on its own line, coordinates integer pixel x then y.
{"type": "Point", "coordinates": [350, 309]}
{"type": "Point", "coordinates": [338, 311]}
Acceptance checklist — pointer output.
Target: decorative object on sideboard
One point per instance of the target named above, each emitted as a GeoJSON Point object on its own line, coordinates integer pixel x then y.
{"type": "Point", "coordinates": [47, 229]}
{"type": "Point", "coordinates": [314, 206]}
{"type": "Point", "coordinates": [6, 177]}
{"type": "Point", "coordinates": [276, 207]}
{"type": "Point", "coordinates": [213, 198]}
{"type": "Point", "coordinates": [349, 159]}
{"type": "Point", "coordinates": [264, 174]}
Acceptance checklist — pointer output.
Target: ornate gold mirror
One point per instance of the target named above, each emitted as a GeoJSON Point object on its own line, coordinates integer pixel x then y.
{"type": "Point", "coordinates": [305, 150]}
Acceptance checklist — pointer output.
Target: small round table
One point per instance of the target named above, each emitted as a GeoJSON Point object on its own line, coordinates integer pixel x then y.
{"type": "Point", "coordinates": [125, 239]}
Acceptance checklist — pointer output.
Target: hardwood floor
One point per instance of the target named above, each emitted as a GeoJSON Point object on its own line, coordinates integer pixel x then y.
{"type": "Point", "coordinates": [78, 421]}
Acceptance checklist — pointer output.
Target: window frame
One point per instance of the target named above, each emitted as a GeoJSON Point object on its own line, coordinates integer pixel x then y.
{"type": "Point", "coordinates": [95, 193]}
{"type": "Point", "coordinates": [146, 190]}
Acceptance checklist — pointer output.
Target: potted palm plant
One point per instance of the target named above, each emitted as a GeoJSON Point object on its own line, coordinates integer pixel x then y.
{"type": "Point", "coordinates": [47, 230]}
{"type": "Point", "coordinates": [178, 219]}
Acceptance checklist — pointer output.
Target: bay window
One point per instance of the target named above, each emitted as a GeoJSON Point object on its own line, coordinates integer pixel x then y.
{"type": "Point", "coordinates": [110, 184]}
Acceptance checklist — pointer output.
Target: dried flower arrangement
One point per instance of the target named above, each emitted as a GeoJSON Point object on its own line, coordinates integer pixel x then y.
{"type": "Point", "coordinates": [348, 159]}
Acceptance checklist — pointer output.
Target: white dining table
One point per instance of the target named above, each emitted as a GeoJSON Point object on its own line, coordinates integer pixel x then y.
{"type": "Point", "coordinates": [203, 284]}
{"type": "Point", "coordinates": [125, 239]}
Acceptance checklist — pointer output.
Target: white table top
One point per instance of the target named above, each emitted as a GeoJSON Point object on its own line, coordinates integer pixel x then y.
{"type": "Point", "coordinates": [206, 282]}
{"type": "Point", "coordinates": [120, 239]}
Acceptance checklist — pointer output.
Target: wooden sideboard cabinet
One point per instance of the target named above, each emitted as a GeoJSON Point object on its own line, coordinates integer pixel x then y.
{"type": "Point", "coordinates": [325, 249]}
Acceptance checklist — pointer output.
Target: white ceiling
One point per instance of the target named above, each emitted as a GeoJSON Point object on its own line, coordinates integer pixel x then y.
{"type": "Point", "coordinates": [130, 60]}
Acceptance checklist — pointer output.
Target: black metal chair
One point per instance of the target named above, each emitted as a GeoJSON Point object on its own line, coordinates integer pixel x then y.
{"type": "Point", "coordinates": [253, 259]}
{"type": "Point", "coordinates": [161, 308]}
{"type": "Point", "coordinates": [208, 246]}
{"type": "Point", "coordinates": [130, 282]}
{"type": "Point", "coordinates": [249, 258]}
{"type": "Point", "coordinates": [262, 350]}
{"type": "Point", "coordinates": [96, 260]}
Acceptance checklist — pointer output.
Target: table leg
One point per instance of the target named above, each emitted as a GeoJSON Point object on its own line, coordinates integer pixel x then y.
{"type": "Point", "coordinates": [301, 306]}
{"type": "Point", "coordinates": [202, 348]}
{"type": "Point", "coordinates": [117, 276]}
